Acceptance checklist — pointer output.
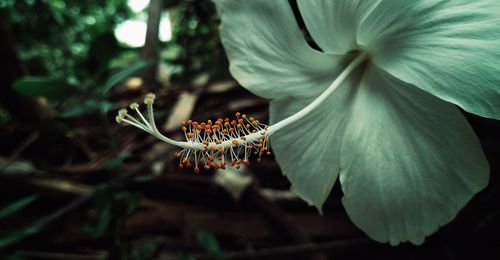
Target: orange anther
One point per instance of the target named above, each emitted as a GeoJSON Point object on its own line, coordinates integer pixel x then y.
{"type": "Point", "coordinates": [190, 135]}
{"type": "Point", "coordinates": [238, 114]}
{"type": "Point", "coordinates": [177, 154]}
{"type": "Point", "coordinates": [210, 158]}
{"type": "Point", "coordinates": [218, 142]}
{"type": "Point", "coordinates": [243, 116]}
{"type": "Point", "coordinates": [185, 161]}
{"type": "Point", "coordinates": [196, 169]}
{"type": "Point", "coordinates": [235, 142]}
{"type": "Point", "coordinates": [207, 167]}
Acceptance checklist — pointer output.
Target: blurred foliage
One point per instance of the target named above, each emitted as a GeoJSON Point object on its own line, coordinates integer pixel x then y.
{"type": "Point", "coordinates": [195, 46]}
{"type": "Point", "coordinates": [210, 244]}
{"type": "Point", "coordinates": [112, 203]}
{"type": "Point", "coordinates": [144, 251]}
{"type": "Point", "coordinates": [17, 205]}
{"type": "Point", "coordinates": [8, 238]}
{"type": "Point", "coordinates": [70, 46]}
{"type": "Point", "coordinates": [60, 37]}
{"type": "Point", "coordinates": [76, 58]}
{"type": "Point", "coordinates": [4, 116]}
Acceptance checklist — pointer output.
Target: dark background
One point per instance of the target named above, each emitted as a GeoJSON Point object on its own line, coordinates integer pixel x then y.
{"type": "Point", "coordinates": [76, 185]}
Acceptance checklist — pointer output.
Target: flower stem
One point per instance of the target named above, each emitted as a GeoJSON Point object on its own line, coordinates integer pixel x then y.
{"type": "Point", "coordinates": [313, 105]}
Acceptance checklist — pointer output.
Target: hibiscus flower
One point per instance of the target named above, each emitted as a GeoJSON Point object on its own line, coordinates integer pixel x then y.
{"type": "Point", "coordinates": [376, 108]}
{"type": "Point", "coordinates": [389, 129]}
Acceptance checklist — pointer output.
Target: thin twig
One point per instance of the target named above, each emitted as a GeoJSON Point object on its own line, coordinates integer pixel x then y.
{"type": "Point", "coordinates": [295, 251]}
{"type": "Point", "coordinates": [32, 138]}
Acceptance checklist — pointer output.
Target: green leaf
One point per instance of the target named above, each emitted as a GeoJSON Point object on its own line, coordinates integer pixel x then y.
{"type": "Point", "coordinates": [133, 203]}
{"type": "Point", "coordinates": [40, 86]}
{"type": "Point", "coordinates": [14, 237]}
{"type": "Point", "coordinates": [122, 75]}
{"type": "Point", "coordinates": [148, 250]}
{"type": "Point", "coordinates": [210, 244]}
{"type": "Point", "coordinates": [21, 167]}
{"type": "Point", "coordinates": [88, 107]}
{"type": "Point", "coordinates": [17, 206]}
{"type": "Point", "coordinates": [100, 224]}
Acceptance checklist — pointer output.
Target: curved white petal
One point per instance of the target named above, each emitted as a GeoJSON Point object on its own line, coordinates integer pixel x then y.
{"type": "Point", "coordinates": [308, 151]}
{"type": "Point", "coordinates": [267, 51]}
{"type": "Point", "coordinates": [450, 49]}
{"type": "Point", "coordinates": [409, 161]}
{"type": "Point", "coordinates": [334, 24]}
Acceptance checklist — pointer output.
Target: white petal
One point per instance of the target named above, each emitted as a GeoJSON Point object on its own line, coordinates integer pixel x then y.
{"type": "Point", "coordinates": [308, 151]}
{"type": "Point", "coordinates": [267, 51]}
{"type": "Point", "coordinates": [333, 24]}
{"type": "Point", "coordinates": [409, 161]}
{"type": "Point", "coordinates": [450, 49]}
